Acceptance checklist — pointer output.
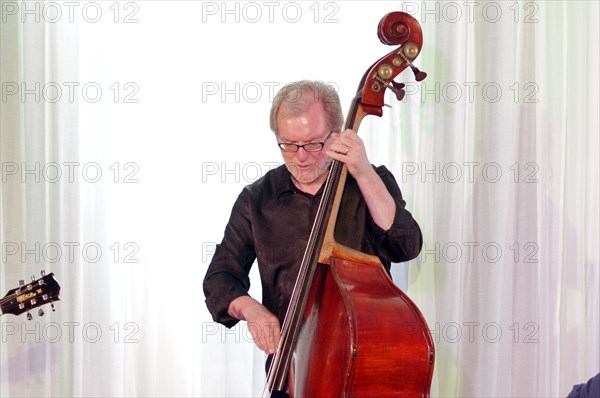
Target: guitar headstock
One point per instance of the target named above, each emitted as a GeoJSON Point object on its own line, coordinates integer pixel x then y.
{"type": "Point", "coordinates": [31, 295]}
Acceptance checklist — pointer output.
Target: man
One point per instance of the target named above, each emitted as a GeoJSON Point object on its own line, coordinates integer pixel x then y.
{"type": "Point", "coordinates": [272, 218]}
{"type": "Point", "coordinates": [586, 390]}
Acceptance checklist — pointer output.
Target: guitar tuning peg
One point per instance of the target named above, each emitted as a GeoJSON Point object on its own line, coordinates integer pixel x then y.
{"type": "Point", "coordinates": [29, 317]}
{"type": "Point", "coordinates": [21, 282]}
{"type": "Point", "coordinates": [33, 278]}
{"type": "Point", "coordinates": [43, 273]}
{"type": "Point", "coordinates": [40, 312]}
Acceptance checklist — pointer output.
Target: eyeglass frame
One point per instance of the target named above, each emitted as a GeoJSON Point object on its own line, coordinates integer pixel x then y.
{"type": "Point", "coordinates": [321, 144]}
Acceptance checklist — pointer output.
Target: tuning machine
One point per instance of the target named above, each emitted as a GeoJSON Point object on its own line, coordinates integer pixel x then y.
{"type": "Point", "coordinates": [410, 50]}
{"type": "Point", "coordinates": [398, 89]}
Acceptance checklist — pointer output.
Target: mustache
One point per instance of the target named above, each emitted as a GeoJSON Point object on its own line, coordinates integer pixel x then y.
{"type": "Point", "coordinates": [318, 165]}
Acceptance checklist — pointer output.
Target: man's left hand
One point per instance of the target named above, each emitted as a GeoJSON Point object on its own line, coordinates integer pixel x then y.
{"type": "Point", "coordinates": [349, 148]}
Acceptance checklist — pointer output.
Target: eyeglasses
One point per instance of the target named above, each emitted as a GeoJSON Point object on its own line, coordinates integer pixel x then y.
{"type": "Point", "coordinates": [309, 147]}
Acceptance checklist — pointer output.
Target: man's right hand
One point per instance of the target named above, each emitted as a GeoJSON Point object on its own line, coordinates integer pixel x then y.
{"type": "Point", "coordinates": [263, 325]}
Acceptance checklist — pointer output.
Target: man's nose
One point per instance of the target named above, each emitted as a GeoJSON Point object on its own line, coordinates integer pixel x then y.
{"type": "Point", "coordinates": [302, 154]}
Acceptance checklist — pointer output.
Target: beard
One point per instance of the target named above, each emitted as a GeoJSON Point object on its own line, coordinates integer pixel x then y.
{"type": "Point", "coordinates": [311, 174]}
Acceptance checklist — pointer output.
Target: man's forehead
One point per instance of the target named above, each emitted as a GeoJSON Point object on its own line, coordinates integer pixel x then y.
{"type": "Point", "coordinates": [305, 127]}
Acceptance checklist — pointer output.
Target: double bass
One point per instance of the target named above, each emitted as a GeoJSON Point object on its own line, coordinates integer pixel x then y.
{"type": "Point", "coordinates": [349, 331]}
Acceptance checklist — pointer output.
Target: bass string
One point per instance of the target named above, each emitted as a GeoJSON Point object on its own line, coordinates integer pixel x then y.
{"type": "Point", "coordinates": [291, 324]}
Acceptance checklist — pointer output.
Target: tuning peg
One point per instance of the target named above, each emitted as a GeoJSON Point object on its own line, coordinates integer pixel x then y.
{"type": "Point", "coordinates": [29, 317]}
{"type": "Point", "coordinates": [40, 312]}
{"type": "Point", "coordinates": [398, 86]}
{"type": "Point", "coordinates": [33, 278]}
{"type": "Point", "coordinates": [21, 282]}
{"type": "Point", "coordinates": [398, 89]}
{"type": "Point", "coordinates": [418, 74]}
{"type": "Point", "coordinates": [43, 273]}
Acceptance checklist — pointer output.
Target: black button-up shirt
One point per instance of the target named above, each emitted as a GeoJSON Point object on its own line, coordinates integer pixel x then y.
{"type": "Point", "coordinates": [271, 221]}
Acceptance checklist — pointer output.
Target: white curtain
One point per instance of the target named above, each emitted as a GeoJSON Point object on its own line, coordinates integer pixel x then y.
{"type": "Point", "coordinates": [129, 128]}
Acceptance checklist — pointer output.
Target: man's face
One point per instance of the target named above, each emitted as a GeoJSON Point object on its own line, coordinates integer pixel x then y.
{"type": "Point", "coordinates": [308, 169]}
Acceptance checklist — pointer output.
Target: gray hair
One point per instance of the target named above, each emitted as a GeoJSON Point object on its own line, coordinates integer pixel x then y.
{"type": "Point", "coordinates": [295, 98]}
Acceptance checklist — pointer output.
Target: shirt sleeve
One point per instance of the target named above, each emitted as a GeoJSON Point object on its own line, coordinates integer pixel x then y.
{"type": "Point", "coordinates": [227, 275]}
{"type": "Point", "coordinates": [403, 241]}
